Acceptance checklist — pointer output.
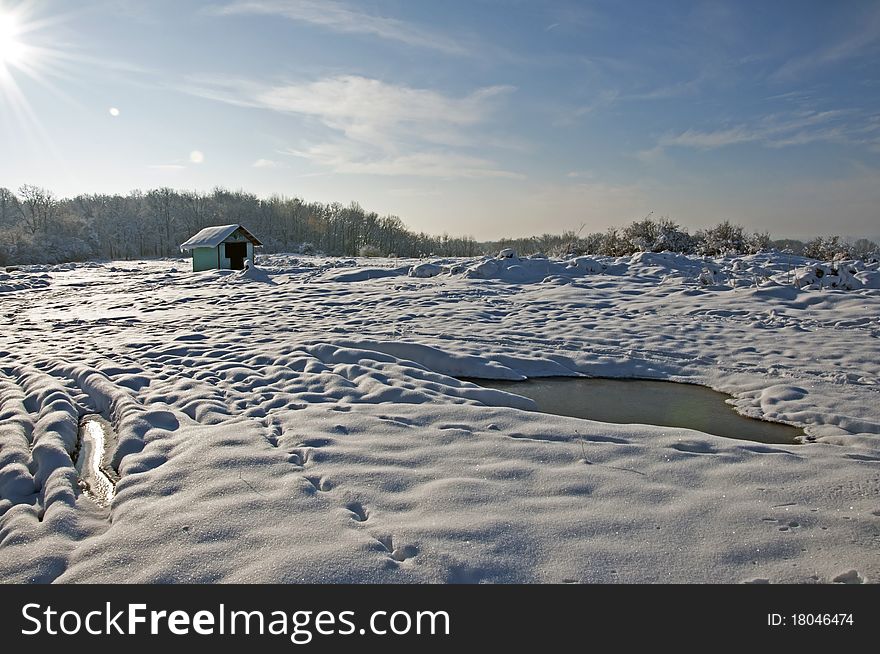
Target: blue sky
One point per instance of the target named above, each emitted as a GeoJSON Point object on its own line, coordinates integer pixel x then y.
{"type": "Point", "coordinates": [481, 117]}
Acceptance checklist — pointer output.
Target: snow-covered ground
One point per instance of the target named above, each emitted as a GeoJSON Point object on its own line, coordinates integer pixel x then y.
{"type": "Point", "coordinates": [304, 422]}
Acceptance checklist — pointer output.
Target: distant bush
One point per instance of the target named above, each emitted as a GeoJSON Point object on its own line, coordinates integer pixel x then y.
{"type": "Point", "coordinates": [828, 248]}
{"type": "Point", "coordinates": [646, 235]}
{"type": "Point", "coordinates": [663, 235]}
{"type": "Point", "coordinates": [615, 244]}
{"type": "Point", "coordinates": [724, 238]}
{"type": "Point", "coordinates": [758, 242]}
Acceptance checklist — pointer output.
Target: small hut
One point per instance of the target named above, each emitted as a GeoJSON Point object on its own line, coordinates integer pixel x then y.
{"type": "Point", "coordinates": [225, 247]}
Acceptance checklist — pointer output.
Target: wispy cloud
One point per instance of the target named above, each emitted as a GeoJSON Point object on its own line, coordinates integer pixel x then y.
{"type": "Point", "coordinates": [377, 127]}
{"type": "Point", "coordinates": [603, 100]}
{"type": "Point", "coordinates": [343, 18]}
{"type": "Point", "coordinates": [774, 131]}
{"type": "Point", "coordinates": [678, 89]}
{"type": "Point", "coordinates": [708, 140]}
{"type": "Point", "coordinates": [863, 40]}
{"type": "Point", "coordinates": [347, 159]}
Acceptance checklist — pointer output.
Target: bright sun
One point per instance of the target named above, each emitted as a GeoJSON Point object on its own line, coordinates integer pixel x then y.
{"type": "Point", "coordinates": [12, 50]}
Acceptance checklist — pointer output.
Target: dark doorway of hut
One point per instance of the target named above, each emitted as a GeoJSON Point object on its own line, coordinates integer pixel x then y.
{"type": "Point", "coordinates": [236, 253]}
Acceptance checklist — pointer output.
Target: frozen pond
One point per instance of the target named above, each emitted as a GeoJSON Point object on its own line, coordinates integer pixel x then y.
{"type": "Point", "coordinates": [647, 402]}
{"type": "Point", "coordinates": [92, 462]}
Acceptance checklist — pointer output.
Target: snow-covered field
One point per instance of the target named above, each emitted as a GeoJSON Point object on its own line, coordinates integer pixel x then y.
{"type": "Point", "coordinates": [304, 422]}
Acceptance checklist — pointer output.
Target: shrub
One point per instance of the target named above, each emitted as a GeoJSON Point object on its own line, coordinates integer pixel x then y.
{"type": "Point", "coordinates": [829, 248]}
{"type": "Point", "coordinates": [724, 238]}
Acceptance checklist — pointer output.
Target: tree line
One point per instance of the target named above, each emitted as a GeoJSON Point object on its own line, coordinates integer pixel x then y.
{"type": "Point", "coordinates": [665, 235]}
{"type": "Point", "coordinates": [38, 227]}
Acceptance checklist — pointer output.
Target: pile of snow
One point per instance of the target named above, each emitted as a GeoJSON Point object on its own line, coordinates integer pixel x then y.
{"type": "Point", "coordinates": [818, 276]}
{"type": "Point", "coordinates": [425, 270]}
{"type": "Point", "coordinates": [511, 268]}
{"type": "Point", "coordinates": [250, 273]}
{"type": "Point", "coordinates": [587, 265]}
{"type": "Point", "coordinates": [665, 264]}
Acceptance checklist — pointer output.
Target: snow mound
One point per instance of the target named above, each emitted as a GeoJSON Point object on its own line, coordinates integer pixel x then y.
{"type": "Point", "coordinates": [658, 264]}
{"type": "Point", "coordinates": [841, 276]}
{"type": "Point", "coordinates": [248, 274]}
{"type": "Point", "coordinates": [425, 270]}
{"type": "Point", "coordinates": [587, 265]}
{"type": "Point", "coordinates": [531, 270]}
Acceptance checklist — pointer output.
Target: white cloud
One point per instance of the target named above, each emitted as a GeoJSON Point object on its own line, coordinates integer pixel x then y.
{"type": "Point", "coordinates": [167, 167]}
{"type": "Point", "coordinates": [379, 128]}
{"type": "Point", "coordinates": [340, 17]}
{"type": "Point", "coordinates": [367, 109]}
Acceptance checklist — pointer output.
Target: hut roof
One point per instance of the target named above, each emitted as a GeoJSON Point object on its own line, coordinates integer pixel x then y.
{"type": "Point", "coordinates": [211, 237]}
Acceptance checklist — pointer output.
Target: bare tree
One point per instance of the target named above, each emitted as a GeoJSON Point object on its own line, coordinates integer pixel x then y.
{"type": "Point", "coordinates": [38, 208]}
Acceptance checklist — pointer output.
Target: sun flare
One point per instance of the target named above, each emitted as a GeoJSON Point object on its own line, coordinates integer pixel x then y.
{"type": "Point", "coordinates": [12, 50]}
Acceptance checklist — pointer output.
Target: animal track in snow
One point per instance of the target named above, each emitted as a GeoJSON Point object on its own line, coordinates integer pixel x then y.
{"type": "Point", "coordinates": [275, 430]}
{"type": "Point", "coordinates": [359, 513]}
{"type": "Point", "coordinates": [401, 553]}
{"type": "Point", "coordinates": [321, 484]}
{"type": "Point", "coordinates": [298, 456]}
{"type": "Point", "coordinates": [783, 524]}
